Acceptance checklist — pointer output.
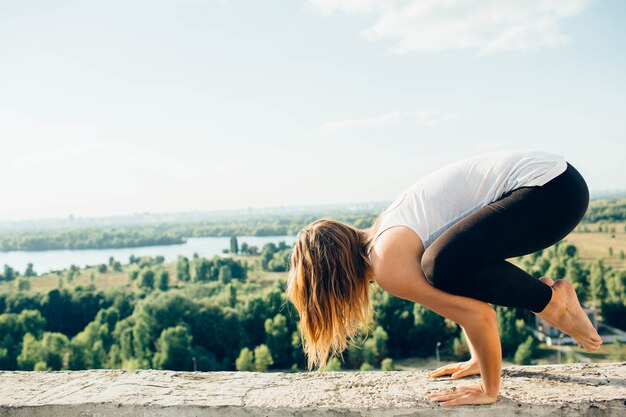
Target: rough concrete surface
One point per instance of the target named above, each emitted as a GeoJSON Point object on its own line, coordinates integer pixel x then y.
{"type": "Point", "coordinates": [582, 389]}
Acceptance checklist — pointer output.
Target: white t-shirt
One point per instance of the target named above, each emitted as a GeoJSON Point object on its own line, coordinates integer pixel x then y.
{"type": "Point", "coordinates": [437, 201]}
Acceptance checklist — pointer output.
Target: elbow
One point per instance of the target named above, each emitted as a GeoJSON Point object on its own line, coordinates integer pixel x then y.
{"type": "Point", "coordinates": [490, 314]}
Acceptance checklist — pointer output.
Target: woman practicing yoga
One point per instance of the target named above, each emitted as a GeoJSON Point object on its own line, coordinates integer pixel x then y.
{"type": "Point", "coordinates": [443, 243]}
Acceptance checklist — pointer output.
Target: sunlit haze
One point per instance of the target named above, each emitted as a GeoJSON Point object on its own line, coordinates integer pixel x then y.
{"type": "Point", "coordinates": [118, 107]}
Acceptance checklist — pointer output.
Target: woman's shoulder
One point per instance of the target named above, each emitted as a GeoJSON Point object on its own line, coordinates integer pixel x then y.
{"type": "Point", "coordinates": [395, 247]}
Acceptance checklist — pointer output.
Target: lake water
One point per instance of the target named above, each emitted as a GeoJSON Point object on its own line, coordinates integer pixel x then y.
{"type": "Point", "coordinates": [44, 261]}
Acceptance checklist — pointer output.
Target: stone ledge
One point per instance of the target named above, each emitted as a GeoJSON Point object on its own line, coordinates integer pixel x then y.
{"type": "Point", "coordinates": [582, 389]}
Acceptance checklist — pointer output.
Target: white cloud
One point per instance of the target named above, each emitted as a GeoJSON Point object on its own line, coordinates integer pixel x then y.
{"type": "Point", "coordinates": [424, 118]}
{"type": "Point", "coordinates": [487, 26]}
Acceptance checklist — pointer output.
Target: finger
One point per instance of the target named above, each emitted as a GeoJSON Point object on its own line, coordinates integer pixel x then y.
{"type": "Point", "coordinates": [441, 371]}
{"type": "Point", "coordinates": [443, 392]}
{"type": "Point", "coordinates": [459, 374]}
{"type": "Point", "coordinates": [444, 370]}
{"type": "Point", "coordinates": [464, 399]}
{"type": "Point", "coordinates": [446, 397]}
{"type": "Point", "coordinates": [468, 387]}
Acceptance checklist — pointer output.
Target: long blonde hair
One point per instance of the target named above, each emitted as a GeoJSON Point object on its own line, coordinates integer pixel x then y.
{"type": "Point", "coordinates": [328, 285]}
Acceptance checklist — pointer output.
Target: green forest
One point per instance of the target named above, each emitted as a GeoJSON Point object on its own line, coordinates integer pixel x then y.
{"type": "Point", "coordinates": [209, 315]}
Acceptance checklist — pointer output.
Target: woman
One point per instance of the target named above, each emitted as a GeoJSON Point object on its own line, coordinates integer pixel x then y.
{"type": "Point", "coordinates": [443, 243]}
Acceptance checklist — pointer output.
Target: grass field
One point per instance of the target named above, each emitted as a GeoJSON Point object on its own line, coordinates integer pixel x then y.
{"type": "Point", "coordinates": [110, 279]}
{"type": "Point", "coordinates": [595, 245]}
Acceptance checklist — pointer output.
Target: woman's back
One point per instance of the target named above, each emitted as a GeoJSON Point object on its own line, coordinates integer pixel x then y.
{"type": "Point", "coordinates": [437, 201]}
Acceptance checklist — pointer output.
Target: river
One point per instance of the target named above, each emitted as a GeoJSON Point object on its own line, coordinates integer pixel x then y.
{"type": "Point", "coordinates": [45, 261]}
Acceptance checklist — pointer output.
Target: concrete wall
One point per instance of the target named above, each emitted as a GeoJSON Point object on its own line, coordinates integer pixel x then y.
{"type": "Point", "coordinates": [583, 389]}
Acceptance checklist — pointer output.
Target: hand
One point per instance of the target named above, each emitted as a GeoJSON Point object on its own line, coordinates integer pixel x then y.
{"type": "Point", "coordinates": [464, 394]}
{"type": "Point", "coordinates": [457, 370]}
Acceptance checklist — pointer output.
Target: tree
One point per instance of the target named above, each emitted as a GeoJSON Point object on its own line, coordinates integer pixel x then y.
{"type": "Point", "coordinates": [380, 340]}
{"type": "Point", "coordinates": [29, 272]}
{"type": "Point", "coordinates": [225, 275]}
{"type": "Point", "coordinates": [31, 353]}
{"type": "Point", "coordinates": [23, 284]}
{"type": "Point", "coordinates": [245, 361]}
{"type": "Point", "coordinates": [267, 254]}
{"type": "Point", "coordinates": [618, 353]}
{"type": "Point", "coordinates": [570, 357]}
{"type": "Point", "coordinates": [512, 330]}
{"type": "Point", "coordinates": [163, 280]}
{"type": "Point", "coordinates": [98, 355]}
{"type": "Point", "coordinates": [232, 295]}
{"type": "Point", "coordinates": [298, 353]}
{"type": "Point", "coordinates": [77, 356]}
{"type": "Point", "coordinates": [366, 367]}
{"type": "Point", "coordinates": [430, 328]}
{"type": "Point", "coordinates": [597, 287]}
{"type": "Point", "coordinates": [262, 358]}
{"type": "Point", "coordinates": [31, 321]}
{"type": "Point", "coordinates": [200, 269]}
{"type": "Point", "coordinates": [567, 250]}
{"type": "Point", "coordinates": [54, 347]}
{"type": "Point", "coordinates": [460, 348]}
{"type": "Point", "coordinates": [133, 274]}
{"type": "Point", "coordinates": [69, 276]}
{"type": "Point", "coordinates": [279, 261]}
{"type": "Point", "coordinates": [278, 340]}
{"type": "Point", "coordinates": [234, 248]}
{"type": "Point", "coordinates": [9, 273]}
{"type": "Point", "coordinates": [332, 365]}
{"type": "Point", "coordinates": [173, 349]}
{"type": "Point", "coordinates": [387, 365]}
{"type": "Point", "coordinates": [205, 360]}
{"type": "Point", "coordinates": [146, 278]}
{"type": "Point", "coordinates": [182, 269]}
{"type": "Point", "coordinates": [114, 358]}
{"type": "Point", "coordinates": [525, 351]}
{"type": "Point", "coordinates": [356, 352]}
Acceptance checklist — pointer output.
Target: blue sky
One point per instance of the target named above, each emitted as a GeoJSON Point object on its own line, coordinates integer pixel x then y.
{"type": "Point", "coordinates": [115, 107]}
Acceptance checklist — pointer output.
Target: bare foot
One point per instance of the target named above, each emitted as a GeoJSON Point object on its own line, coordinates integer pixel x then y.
{"type": "Point", "coordinates": [555, 307]}
{"type": "Point", "coordinates": [566, 314]}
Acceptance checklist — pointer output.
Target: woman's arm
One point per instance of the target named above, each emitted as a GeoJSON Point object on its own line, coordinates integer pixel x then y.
{"type": "Point", "coordinates": [486, 340]}
{"type": "Point", "coordinates": [405, 278]}
{"type": "Point", "coordinates": [469, 344]}
{"type": "Point", "coordinates": [461, 369]}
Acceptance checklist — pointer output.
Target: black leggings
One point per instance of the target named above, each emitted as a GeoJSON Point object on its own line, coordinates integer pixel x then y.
{"type": "Point", "coordinates": [469, 258]}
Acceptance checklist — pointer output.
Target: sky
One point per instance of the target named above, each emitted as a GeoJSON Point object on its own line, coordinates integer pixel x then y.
{"type": "Point", "coordinates": [118, 107]}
